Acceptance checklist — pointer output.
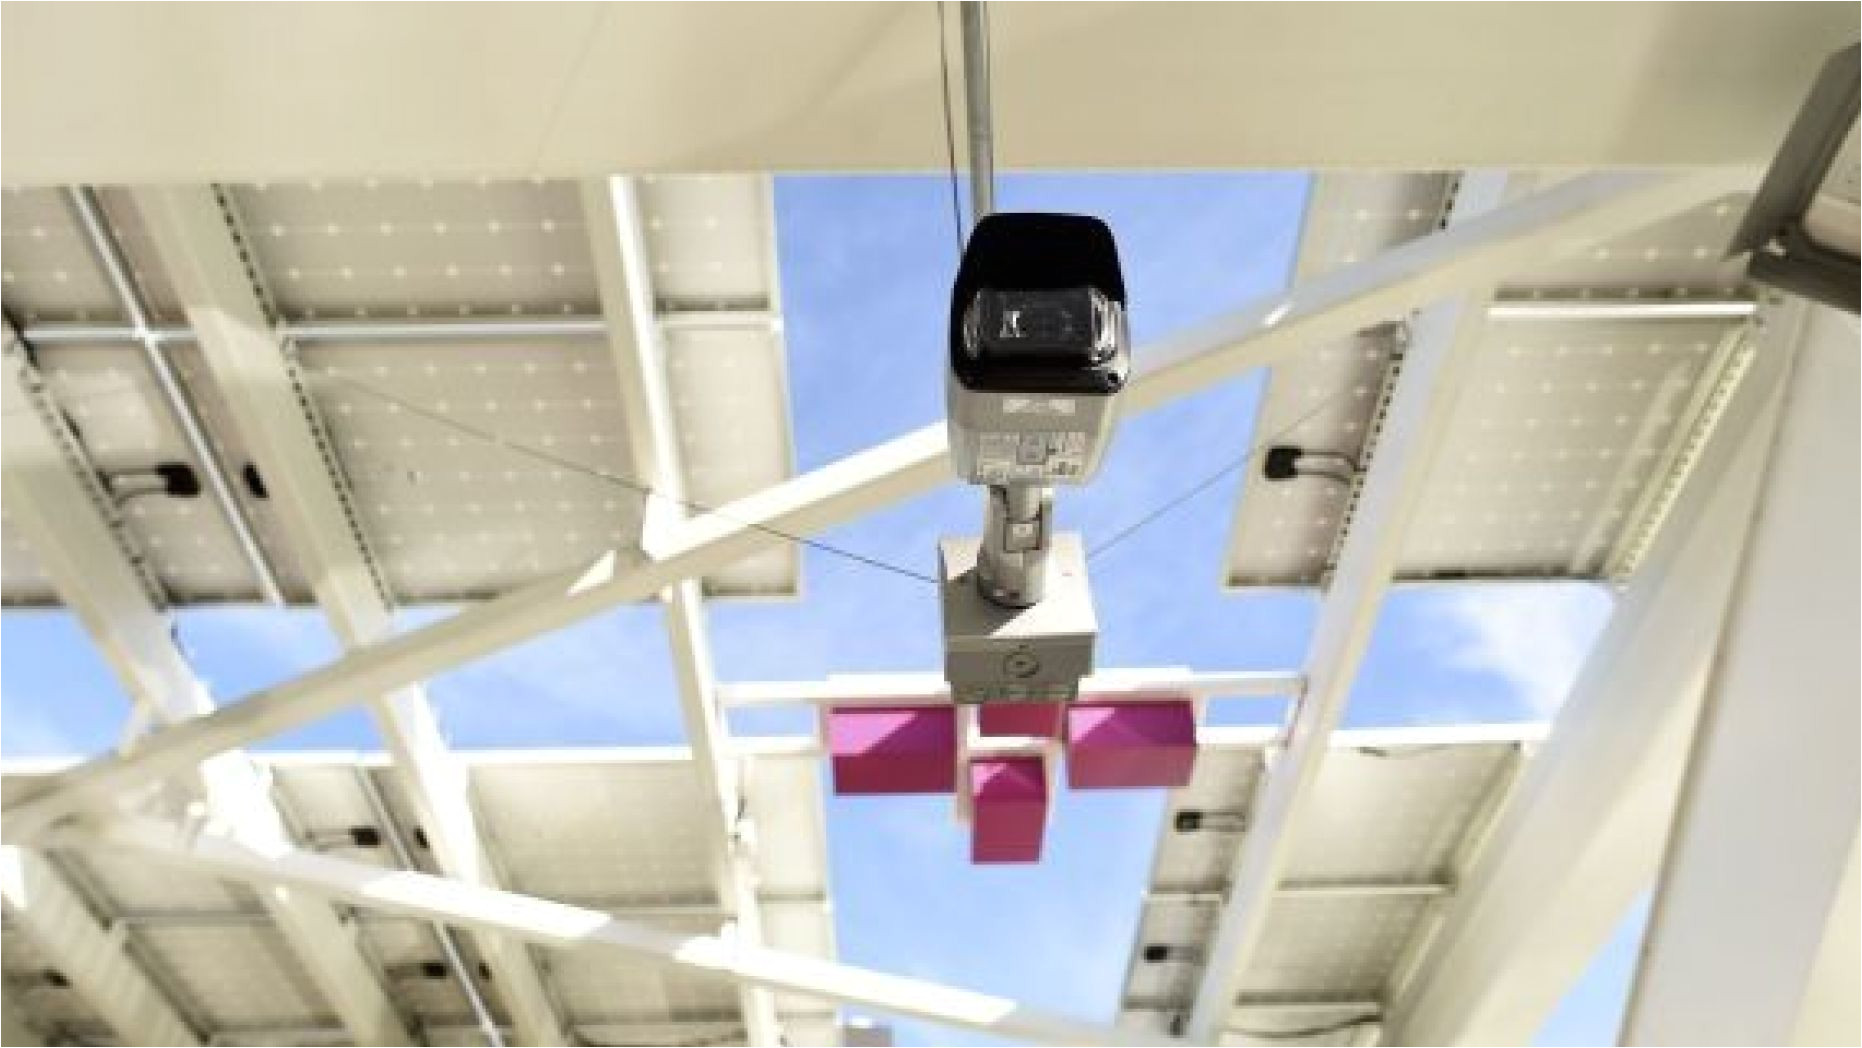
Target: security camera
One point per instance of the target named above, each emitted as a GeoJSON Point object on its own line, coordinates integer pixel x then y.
{"type": "Point", "coordinates": [1040, 350]}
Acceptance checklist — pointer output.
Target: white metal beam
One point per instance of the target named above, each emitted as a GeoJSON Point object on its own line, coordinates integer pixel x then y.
{"type": "Point", "coordinates": [546, 923]}
{"type": "Point", "coordinates": [1479, 252]}
{"type": "Point", "coordinates": [89, 955]}
{"type": "Point", "coordinates": [64, 519]}
{"type": "Point", "coordinates": [1832, 1010]}
{"type": "Point", "coordinates": [709, 736]}
{"type": "Point", "coordinates": [624, 280]}
{"type": "Point", "coordinates": [1565, 217]}
{"type": "Point", "coordinates": [1768, 815]}
{"type": "Point", "coordinates": [881, 689]}
{"type": "Point", "coordinates": [623, 276]}
{"type": "Point", "coordinates": [15, 1030]}
{"type": "Point", "coordinates": [1581, 835]}
{"type": "Point", "coordinates": [1442, 345]}
{"type": "Point", "coordinates": [272, 411]}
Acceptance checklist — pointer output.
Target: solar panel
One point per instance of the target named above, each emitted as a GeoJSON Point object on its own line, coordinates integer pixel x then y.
{"type": "Point", "coordinates": [1395, 816]}
{"type": "Point", "coordinates": [1570, 425]}
{"type": "Point", "coordinates": [482, 457]}
{"type": "Point", "coordinates": [615, 830]}
{"type": "Point", "coordinates": [362, 249]}
{"type": "Point", "coordinates": [475, 464]}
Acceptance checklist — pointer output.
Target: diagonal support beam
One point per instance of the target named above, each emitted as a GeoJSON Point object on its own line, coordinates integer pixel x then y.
{"type": "Point", "coordinates": [1442, 345]}
{"type": "Point", "coordinates": [89, 955]}
{"type": "Point", "coordinates": [272, 411]}
{"type": "Point", "coordinates": [1566, 217]}
{"type": "Point", "coordinates": [63, 516]}
{"type": "Point", "coordinates": [1768, 808]}
{"type": "Point", "coordinates": [1581, 836]}
{"type": "Point", "coordinates": [429, 898]}
{"type": "Point", "coordinates": [618, 245]}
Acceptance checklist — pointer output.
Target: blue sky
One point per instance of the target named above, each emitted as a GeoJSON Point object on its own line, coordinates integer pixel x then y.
{"type": "Point", "coordinates": [866, 264]}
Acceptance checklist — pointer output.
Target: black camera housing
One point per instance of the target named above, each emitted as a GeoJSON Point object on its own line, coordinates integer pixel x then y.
{"type": "Point", "coordinates": [1060, 271]}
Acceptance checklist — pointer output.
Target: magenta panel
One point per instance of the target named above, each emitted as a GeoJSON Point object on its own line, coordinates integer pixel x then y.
{"type": "Point", "coordinates": [893, 749]}
{"type": "Point", "coordinates": [1041, 719]}
{"type": "Point", "coordinates": [1131, 745]}
{"type": "Point", "coordinates": [1008, 809]}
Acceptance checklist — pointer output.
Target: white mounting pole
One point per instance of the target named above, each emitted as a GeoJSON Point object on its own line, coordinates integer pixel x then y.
{"type": "Point", "coordinates": [978, 109]}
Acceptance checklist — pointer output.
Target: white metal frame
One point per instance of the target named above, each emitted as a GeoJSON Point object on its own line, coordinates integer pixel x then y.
{"type": "Point", "coordinates": [1442, 343]}
{"type": "Point", "coordinates": [1766, 827]}
{"type": "Point", "coordinates": [65, 519]}
{"type": "Point", "coordinates": [89, 954]}
{"type": "Point", "coordinates": [1411, 276]}
{"type": "Point", "coordinates": [427, 897]}
{"type": "Point", "coordinates": [1469, 256]}
{"type": "Point", "coordinates": [624, 279]}
{"type": "Point", "coordinates": [922, 689]}
{"type": "Point", "coordinates": [1581, 835]}
{"type": "Point", "coordinates": [273, 414]}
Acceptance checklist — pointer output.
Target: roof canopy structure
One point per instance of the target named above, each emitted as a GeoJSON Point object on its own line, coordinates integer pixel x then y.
{"type": "Point", "coordinates": [487, 313]}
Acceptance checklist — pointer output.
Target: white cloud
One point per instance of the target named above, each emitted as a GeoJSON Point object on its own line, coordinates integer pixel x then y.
{"type": "Point", "coordinates": [1535, 636]}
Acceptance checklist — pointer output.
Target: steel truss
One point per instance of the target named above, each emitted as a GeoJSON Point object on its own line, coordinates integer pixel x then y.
{"type": "Point", "coordinates": [1448, 276]}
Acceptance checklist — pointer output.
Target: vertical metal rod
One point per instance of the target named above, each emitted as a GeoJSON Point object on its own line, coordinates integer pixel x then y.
{"type": "Point", "coordinates": [978, 109]}
{"type": "Point", "coordinates": [1008, 572]}
{"type": "Point", "coordinates": [89, 213]}
{"type": "Point", "coordinates": [449, 945]}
